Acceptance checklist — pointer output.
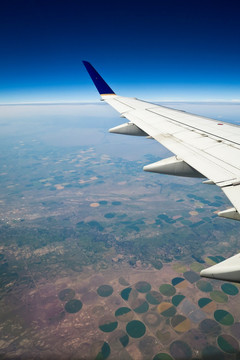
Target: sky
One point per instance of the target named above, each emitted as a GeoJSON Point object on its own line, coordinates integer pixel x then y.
{"type": "Point", "coordinates": [155, 50]}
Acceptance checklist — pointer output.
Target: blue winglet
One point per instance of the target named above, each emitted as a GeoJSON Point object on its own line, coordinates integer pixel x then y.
{"type": "Point", "coordinates": [100, 84]}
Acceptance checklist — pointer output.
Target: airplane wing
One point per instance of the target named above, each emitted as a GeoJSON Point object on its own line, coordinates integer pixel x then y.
{"type": "Point", "coordinates": [203, 147]}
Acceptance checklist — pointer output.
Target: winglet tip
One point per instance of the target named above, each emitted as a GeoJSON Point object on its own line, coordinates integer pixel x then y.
{"type": "Point", "coordinates": [101, 85]}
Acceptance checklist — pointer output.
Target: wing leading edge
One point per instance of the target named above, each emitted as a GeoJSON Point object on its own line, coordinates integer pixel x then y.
{"type": "Point", "coordinates": [203, 147]}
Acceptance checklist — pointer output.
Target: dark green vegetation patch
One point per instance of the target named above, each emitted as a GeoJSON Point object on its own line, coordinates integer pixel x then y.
{"type": "Point", "coordinates": [162, 356]}
{"type": "Point", "coordinates": [123, 282]}
{"type": "Point", "coordinates": [136, 329]}
{"type": "Point", "coordinates": [228, 344]}
{"type": "Point", "coordinates": [124, 314]}
{"type": "Point", "coordinates": [125, 293]}
{"type": "Point", "coordinates": [177, 280]}
{"type": "Point", "coordinates": [105, 290]}
{"type": "Point", "coordinates": [224, 317]}
{"type": "Point", "coordinates": [73, 306]}
{"type": "Point", "coordinates": [116, 203]}
{"type": "Point", "coordinates": [203, 302]}
{"type": "Point", "coordinates": [180, 350]}
{"type": "Point", "coordinates": [154, 297]}
{"type": "Point", "coordinates": [204, 286]}
{"type": "Point", "coordinates": [167, 290]}
{"type": "Point", "coordinates": [177, 299]}
{"type": "Point", "coordinates": [212, 353]}
{"type": "Point", "coordinates": [157, 264]}
{"type": "Point", "coordinates": [109, 326]}
{"type": "Point", "coordinates": [218, 296]}
{"type": "Point", "coordinates": [66, 294]}
{"type": "Point", "coordinates": [140, 306]}
{"type": "Point", "coordinates": [143, 286]}
{"type": "Point", "coordinates": [191, 276]}
{"type": "Point", "coordinates": [103, 202]}
{"type": "Point", "coordinates": [229, 289]}
{"type": "Point", "coordinates": [109, 215]}
{"type": "Point", "coordinates": [104, 352]}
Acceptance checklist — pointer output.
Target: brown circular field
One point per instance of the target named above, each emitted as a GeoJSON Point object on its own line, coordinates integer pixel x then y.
{"type": "Point", "coordinates": [108, 323]}
{"type": "Point", "coordinates": [118, 340]}
{"type": "Point", "coordinates": [151, 318]}
{"type": "Point", "coordinates": [66, 294]}
{"type": "Point", "coordinates": [197, 339]}
{"type": "Point", "coordinates": [100, 350]}
{"type": "Point", "coordinates": [163, 336]}
{"type": "Point", "coordinates": [146, 345]}
{"type": "Point", "coordinates": [210, 327]}
{"type": "Point", "coordinates": [235, 330]}
{"type": "Point", "coordinates": [105, 290]}
{"type": "Point", "coordinates": [140, 306]}
{"type": "Point", "coordinates": [212, 353]}
{"type": "Point", "coordinates": [89, 297]}
{"type": "Point", "coordinates": [180, 350]}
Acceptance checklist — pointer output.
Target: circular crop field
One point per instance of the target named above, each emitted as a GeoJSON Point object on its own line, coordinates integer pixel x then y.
{"type": "Point", "coordinates": [105, 290]}
{"type": "Point", "coordinates": [116, 203]}
{"type": "Point", "coordinates": [196, 267]}
{"type": "Point", "coordinates": [207, 305]}
{"type": "Point", "coordinates": [179, 267]}
{"type": "Point", "coordinates": [103, 202]}
{"type": "Point", "coordinates": [108, 324]}
{"type": "Point", "coordinates": [154, 297]}
{"type": "Point", "coordinates": [125, 293]}
{"type": "Point", "coordinates": [204, 286]}
{"type": "Point", "coordinates": [109, 215]}
{"type": "Point", "coordinates": [66, 294]}
{"type": "Point", "coordinates": [100, 350]}
{"type": "Point", "coordinates": [180, 350]}
{"type": "Point", "coordinates": [218, 296]}
{"type": "Point", "coordinates": [180, 323]}
{"type": "Point", "coordinates": [228, 344]}
{"type": "Point", "coordinates": [167, 290]}
{"type": "Point", "coordinates": [163, 336]}
{"type": "Point", "coordinates": [191, 276]}
{"type": "Point", "coordinates": [73, 306]}
{"type": "Point", "coordinates": [146, 345]}
{"type": "Point", "coordinates": [210, 327]}
{"type": "Point", "coordinates": [124, 314]}
{"type": "Point", "coordinates": [224, 317]}
{"type": "Point", "coordinates": [211, 353]}
{"type": "Point", "coordinates": [143, 286]}
{"type": "Point", "coordinates": [166, 309]}
{"type": "Point", "coordinates": [162, 356]}
{"type": "Point", "coordinates": [229, 289]}
{"type": "Point", "coordinates": [123, 282]}
{"type": "Point", "coordinates": [179, 283]}
{"type": "Point", "coordinates": [151, 319]}
{"type": "Point", "coordinates": [135, 329]}
{"type": "Point", "coordinates": [177, 299]}
{"type": "Point", "coordinates": [140, 306]}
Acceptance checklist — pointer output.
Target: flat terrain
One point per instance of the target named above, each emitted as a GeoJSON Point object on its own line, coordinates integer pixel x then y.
{"type": "Point", "coordinates": [99, 260]}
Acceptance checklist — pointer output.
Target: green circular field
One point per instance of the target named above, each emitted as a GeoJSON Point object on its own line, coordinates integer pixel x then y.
{"type": "Point", "coordinates": [210, 327]}
{"type": "Point", "coordinates": [167, 290]}
{"type": "Point", "coordinates": [204, 286]}
{"type": "Point", "coordinates": [143, 287]}
{"type": "Point", "coordinates": [203, 302]}
{"type": "Point", "coordinates": [223, 317]}
{"type": "Point", "coordinates": [180, 350]}
{"type": "Point", "coordinates": [66, 294]}
{"type": "Point", "coordinates": [212, 353]}
{"type": "Point", "coordinates": [116, 203]}
{"type": "Point", "coordinates": [105, 290]}
{"type": "Point", "coordinates": [73, 306]}
{"type": "Point", "coordinates": [179, 267]}
{"type": "Point", "coordinates": [191, 276]}
{"type": "Point", "coordinates": [108, 324]}
{"type": "Point", "coordinates": [177, 299]}
{"type": "Point", "coordinates": [125, 293]}
{"type": "Point", "coordinates": [154, 297]}
{"type": "Point", "coordinates": [103, 202]}
{"type": "Point", "coordinates": [196, 267]}
{"type": "Point", "coordinates": [162, 356]}
{"type": "Point", "coordinates": [229, 289]}
{"type": "Point", "coordinates": [109, 215]}
{"type": "Point", "coordinates": [124, 314]}
{"type": "Point", "coordinates": [180, 323]}
{"type": "Point", "coordinates": [228, 344]}
{"type": "Point", "coordinates": [218, 296]}
{"type": "Point", "coordinates": [135, 329]}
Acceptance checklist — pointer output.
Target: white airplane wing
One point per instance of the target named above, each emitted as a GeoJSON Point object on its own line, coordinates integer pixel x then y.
{"type": "Point", "coordinates": [203, 148]}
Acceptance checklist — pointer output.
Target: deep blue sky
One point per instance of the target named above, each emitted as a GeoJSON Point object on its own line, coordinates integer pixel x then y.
{"type": "Point", "coordinates": [159, 50]}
